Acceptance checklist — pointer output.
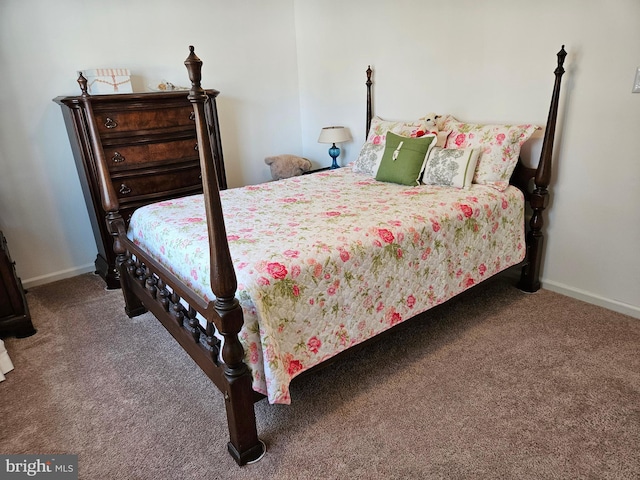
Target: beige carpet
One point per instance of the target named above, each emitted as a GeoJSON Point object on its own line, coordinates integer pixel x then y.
{"type": "Point", "coordinates": [497, 384]}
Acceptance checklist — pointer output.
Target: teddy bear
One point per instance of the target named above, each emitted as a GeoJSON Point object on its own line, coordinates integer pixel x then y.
{"type": "Point", "coordinates": [286, 166]}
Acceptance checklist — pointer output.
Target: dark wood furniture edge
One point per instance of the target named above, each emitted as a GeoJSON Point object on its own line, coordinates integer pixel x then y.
{"type": "Point", "coordinates": [368, 83]}
{"type": "Point", "coordinates": [110, 275]}
{"type": "Point", "coordinates": [18, 324]}
{"type": "Point", "coordinates": [316, 170]}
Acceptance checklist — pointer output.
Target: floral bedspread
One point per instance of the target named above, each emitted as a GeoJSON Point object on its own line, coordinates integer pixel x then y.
{"type": "Point", "coordinates": [328, 260]}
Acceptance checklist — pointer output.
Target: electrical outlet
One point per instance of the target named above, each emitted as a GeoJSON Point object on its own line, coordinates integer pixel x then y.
{"type": "Point", "coordinates": [636, 82]}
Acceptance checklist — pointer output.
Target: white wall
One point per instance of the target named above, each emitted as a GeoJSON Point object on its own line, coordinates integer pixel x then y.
{"type": "Point", "coordinates": [288, 67]}
{"type": "Point", "coordinates": [249, 54]}
{"type": "Point", "coordinates": [494, 61]}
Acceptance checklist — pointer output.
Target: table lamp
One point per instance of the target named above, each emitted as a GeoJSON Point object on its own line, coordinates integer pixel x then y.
{"type": "Point", "coordinates": [334, 135]}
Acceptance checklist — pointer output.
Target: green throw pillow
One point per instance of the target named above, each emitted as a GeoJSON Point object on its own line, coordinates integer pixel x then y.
{"type": "Point", "coordinates": [403, 159]}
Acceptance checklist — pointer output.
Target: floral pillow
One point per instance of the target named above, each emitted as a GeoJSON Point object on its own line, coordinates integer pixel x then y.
{"type": "Point", "coordinates": [371, 153]}
{"type": "Point", "coordinates": [380, 127]}
{"type": "Point", "coordinates": [444, 122]}
{"type": "Point", "coordinates": [499, 147]}
{"type": "Point", "coordinates": [452, 167]}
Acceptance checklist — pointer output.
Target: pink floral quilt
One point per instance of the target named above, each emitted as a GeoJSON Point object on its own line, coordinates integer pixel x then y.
{"type": "Point", "coordinates": [328, 260]}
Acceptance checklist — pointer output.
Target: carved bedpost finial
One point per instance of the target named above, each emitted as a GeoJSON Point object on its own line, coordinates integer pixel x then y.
{"type": "Point", "coordinates": [369, 106]}
{"type": "Point", "coordinates": [83, 84]}
{"type": "Point", "coordinates": [194, 68]}
{"type": "Point", "coordinates": [562, 54]}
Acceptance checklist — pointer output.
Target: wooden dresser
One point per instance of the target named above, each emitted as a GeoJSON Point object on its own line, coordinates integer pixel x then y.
{"type": "Point", "coordinates": [149, 141]}
{"type": "Point", "coordinates": [15, 319]}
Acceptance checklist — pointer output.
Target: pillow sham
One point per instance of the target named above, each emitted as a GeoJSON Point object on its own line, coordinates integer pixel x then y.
{"type": "Point", "coordinates": [499, 147]}
{"type": "Point", "coordinates": [451, 167]}
{"type": "Point", "coordinates": [369, 158]}
{"type": "Point", "coordinates": [380, 127]}
{"type": "Point", "coordinates": [444, 122]}
{"type": "Point", "coordinates": [404, 159]}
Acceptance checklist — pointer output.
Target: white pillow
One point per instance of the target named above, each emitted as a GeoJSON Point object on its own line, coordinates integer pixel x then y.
{"type": "Point", "coordinates": [452, 167]}
{"type": "Point", "coordinates": [369, 158]}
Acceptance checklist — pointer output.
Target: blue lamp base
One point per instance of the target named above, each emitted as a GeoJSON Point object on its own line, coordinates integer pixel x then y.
{"type": "Point", "coordinates": [334, 153]}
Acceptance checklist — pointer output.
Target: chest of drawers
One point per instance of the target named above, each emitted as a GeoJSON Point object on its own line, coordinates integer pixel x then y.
{"type": "Point", "coordinates": [149, 141]}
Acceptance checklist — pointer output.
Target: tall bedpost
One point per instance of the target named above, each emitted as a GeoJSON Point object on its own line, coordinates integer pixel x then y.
{"type": "Point", "coordinates": [244, 445]}
{"type": "Point", "coordinates": [110, 204]}
{"type": "Point", "coordinates": [369, 106]}
{"type": "Point", "coordinates": [539, 199]}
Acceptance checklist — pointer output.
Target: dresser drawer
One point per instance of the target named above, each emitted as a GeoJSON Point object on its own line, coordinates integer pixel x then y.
{"type": "Point", "coordinates": [114, 121]}
{"type": "Point", "coordinates": [135, 156]}
{"type": "Point", "coordinates": [156, 184]}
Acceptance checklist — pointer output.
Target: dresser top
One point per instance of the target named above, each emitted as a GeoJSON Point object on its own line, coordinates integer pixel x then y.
{"type": "Point", "coordinates": [144, 97]}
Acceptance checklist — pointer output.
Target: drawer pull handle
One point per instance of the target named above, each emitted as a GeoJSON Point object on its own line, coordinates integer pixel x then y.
{"type": "Point", "coordinates": [196, 147]}
{"type": "Point", "coordinates": [124, 190]}
{"type": "Point", "coordinates": [110, 123]}
{"type": "Point", "coordinates": [192, 116]}
{"type": "Point", "coordinates": [117, 158]}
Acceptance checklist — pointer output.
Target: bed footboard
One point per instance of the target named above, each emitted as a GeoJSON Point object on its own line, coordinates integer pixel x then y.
{"type": "Point", "coordinates": [146, 285]}
{"type": "Point", "coordinates": [171, 302]}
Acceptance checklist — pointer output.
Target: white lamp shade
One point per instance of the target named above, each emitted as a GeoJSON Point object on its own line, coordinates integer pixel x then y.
{"type": "Point", "coordinates": [334, 135]}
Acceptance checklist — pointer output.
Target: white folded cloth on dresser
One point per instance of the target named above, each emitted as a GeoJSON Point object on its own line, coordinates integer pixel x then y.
{"type": "Point", "coordinates": [5, 361]}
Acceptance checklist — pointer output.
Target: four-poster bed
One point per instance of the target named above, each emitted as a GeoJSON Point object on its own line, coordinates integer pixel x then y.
{"type": "Point", "coordinates": [330, 280]}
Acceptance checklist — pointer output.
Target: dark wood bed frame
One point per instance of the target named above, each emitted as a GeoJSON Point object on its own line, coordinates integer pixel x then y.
{"type": "Point", "coordinates": [148, 286]}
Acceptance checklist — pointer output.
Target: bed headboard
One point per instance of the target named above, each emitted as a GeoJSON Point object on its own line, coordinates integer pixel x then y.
{"type": "Point", "coordinates": [532, 181]}
{"type": "Point", "coordinates": [522, 175]}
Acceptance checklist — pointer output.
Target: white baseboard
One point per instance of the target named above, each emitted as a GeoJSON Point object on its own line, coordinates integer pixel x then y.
{"type": "Point", "coordinates": [592, 298]}
{"type": "Point", "coordinates": [61, 275]}
{"type": "Point", "coordinates": [620, 307]}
